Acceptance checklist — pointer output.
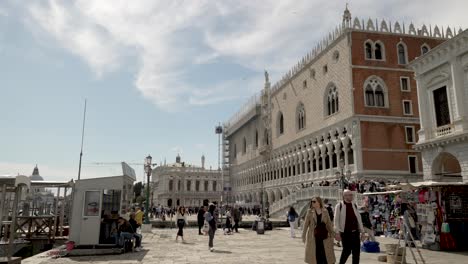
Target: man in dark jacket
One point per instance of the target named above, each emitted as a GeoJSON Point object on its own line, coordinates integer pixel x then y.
{"type": "Point", "coordinates": [201, 219]}
{"type": "Point", "coordinates": [237, 216]}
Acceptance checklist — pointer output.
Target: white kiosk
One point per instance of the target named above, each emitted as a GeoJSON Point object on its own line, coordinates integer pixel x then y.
{"type": "Point", "coordinates": [97, 203]}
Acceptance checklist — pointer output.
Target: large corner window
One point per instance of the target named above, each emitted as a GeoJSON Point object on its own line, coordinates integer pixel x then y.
{"type": "Point", "coordinates": [441, 107]}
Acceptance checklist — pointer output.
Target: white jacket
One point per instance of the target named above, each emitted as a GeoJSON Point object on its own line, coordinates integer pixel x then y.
{"type": "Point", "coordinates": [340, 217]}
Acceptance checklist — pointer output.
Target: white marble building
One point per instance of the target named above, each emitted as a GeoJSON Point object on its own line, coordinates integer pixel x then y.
{"type": "Point", "coordinates": [184, 184]}
{"type": "Point", "coordinates": [442, 83]}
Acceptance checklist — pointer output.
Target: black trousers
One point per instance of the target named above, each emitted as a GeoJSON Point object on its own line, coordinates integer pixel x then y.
{"type": "Point", "coordinates": [180, 225]}
{"type": "Point", "coordinates": [200, 226]}
{"type": "Point", "coordinates": [236, 225]}
{"type": "Point", "coordinates": [351, 244]}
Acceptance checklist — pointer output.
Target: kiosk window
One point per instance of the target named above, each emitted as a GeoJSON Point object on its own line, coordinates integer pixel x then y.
{"type": "Point", "coordinates": [111, 202]}
{"type": "Point", "coordinates": [92, 203]}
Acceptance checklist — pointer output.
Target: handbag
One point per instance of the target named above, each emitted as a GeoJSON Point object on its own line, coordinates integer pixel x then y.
{"type": "Point", "coordinates": [321, 232]}
{"type": "Point", "coordinates": [205, 227]}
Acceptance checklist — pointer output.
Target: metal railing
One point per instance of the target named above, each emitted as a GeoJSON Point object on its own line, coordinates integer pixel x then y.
{"type": "Point", "coordinates": [444, 130]}
{"type": "Point", "coordinates": [329, 192]}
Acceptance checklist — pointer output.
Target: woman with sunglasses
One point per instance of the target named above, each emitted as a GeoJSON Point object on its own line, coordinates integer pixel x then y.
{"type": "Point", "coordinates": [317, 234]}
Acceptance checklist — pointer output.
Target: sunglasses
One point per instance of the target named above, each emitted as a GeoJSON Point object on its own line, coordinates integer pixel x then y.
{"type": "Point", "coordinates": [314, 201]}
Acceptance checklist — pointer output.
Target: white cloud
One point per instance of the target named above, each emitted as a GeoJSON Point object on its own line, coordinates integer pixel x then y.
{"type": "Point", "coordinates": [168, 38]}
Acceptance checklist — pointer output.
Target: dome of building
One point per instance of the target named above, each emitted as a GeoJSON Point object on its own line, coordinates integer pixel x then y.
{"type": "Point", "coordinates": [35, 175]}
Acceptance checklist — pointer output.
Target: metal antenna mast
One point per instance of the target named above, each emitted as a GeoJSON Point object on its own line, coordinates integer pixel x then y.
{"type": "Point", "coordinates": [82, 139]}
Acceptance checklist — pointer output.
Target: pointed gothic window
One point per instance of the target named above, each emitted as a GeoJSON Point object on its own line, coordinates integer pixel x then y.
{"type": "Point", "coordinates": [300, 116]}
{"type": "Point", "coordinates": [379, 96]}
{"type": "Point", "coordinates": [378, 51]}
{"type": "Point", "coordinates": [244, 146]}
{"type": "Point", "coordinates": [256, 138]}
{"type": "Point", "coordinates": [369, 96]}
{"type": "Point", "coordinates": [266, 140]}
{"type": "Point", "coordinates": [332, 100]}
{"type": "Point", "coordinates": [424, 49]}
{"type": "Point", "coordinates": [375, 93]}
{"type": "Point", "coordinates": [280, 124]}
{"type": "Point", "coordinates": [401, 53]}
{"type": "Point", "coordinates": [368, 50]}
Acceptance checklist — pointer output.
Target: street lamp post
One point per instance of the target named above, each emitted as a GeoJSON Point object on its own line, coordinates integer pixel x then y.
{"type": "Point", "coordinates": [148, 171]}
{"type": "Point", "coordinates": [219, 132]}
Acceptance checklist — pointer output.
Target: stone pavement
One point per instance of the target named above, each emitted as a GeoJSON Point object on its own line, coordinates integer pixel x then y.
{"type": "Point", "coordinates": [246, 248]}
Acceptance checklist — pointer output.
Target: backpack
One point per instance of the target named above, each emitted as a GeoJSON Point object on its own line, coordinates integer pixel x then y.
{"type": "Point", "coordinates": [291, 217]}
{"type": "Point", "coordinates": [212, 221]}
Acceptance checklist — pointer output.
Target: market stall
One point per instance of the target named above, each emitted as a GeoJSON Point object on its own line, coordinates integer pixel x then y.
{"type": "Point", "coordinates": [438, 212]}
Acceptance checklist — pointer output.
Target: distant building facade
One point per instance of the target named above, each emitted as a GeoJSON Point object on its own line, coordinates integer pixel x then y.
{"type": "Point", "coordinates": [181, 184]}
{"type": "Point", "coordinates": [351, 101]}
{"type": "Point", "coordinates": [442, 83]}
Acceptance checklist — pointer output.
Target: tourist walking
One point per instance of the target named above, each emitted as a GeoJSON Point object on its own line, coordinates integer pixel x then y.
{"type": "Point", "coordinates": [181, 220]}
{"type": "Point", "coordinates": [292, 216]}
{"type": "Point", "coordinates": [211, 220]}
{"type": "Point", "coordinates": [201, 219]}
{"type": "Point", "coordinates": [317, 234]}
{"type": "Point", "coordinates": [366, 222]}
{"type": "Point", "coordinates": [228, 225]}
{"type": "Point", "coordinates": [237, 217]}
{"type": "Point", "coordinates": [348, 227]}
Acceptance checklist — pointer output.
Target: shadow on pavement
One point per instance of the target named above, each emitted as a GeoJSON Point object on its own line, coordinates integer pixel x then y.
{"type": "Point", "coordinates": [222, 251]}
{"type": "Point", "coordinates": [138, 256]}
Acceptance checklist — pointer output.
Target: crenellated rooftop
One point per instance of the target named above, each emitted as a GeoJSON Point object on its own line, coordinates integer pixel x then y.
{"type": "Point", "coordinates": [373, 26]}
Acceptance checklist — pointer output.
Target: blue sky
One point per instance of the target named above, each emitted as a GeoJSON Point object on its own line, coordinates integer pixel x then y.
{"type": "Point", "coordinates": [158, 75]}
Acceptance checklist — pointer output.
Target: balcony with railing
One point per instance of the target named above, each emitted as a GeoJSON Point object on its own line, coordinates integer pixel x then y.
{"type": "Point", "coordinates": [444, 130]}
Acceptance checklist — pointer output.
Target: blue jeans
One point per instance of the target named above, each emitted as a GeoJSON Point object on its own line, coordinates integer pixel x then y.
{"type": "Point", "coordinates": [119, 238]}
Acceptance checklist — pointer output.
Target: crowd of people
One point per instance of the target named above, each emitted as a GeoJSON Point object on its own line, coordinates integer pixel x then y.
{"type": "Point", "coordinates": [361, 186]}
{"type": "Point", "coordinates": [322, 228]}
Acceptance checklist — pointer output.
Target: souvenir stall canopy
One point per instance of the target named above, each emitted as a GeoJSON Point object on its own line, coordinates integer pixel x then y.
{"type": "Point", "coordinates": [97, 203]}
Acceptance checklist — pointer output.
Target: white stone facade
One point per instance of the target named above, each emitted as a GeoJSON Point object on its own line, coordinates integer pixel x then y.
{"type": "Point", "coordinates": [443, 137]}
{"type": "Point", "coordinates": [185, 185]}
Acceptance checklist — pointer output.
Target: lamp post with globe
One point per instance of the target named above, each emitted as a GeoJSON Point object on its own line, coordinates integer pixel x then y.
{"type": "Point", "coordinates": [148, 171]}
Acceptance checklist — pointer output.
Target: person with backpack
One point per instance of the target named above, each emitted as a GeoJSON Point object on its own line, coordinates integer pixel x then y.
{"type": "Point", "coordinates": [292, 216]}
{"type": "Point", "coordinates": [317, 234]}
{"type": "Point", "coordinates": [210, 218]}
{"type": "Point", "coordinates": [348, 227]}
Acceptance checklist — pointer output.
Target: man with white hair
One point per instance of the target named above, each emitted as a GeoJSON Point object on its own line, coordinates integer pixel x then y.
{"type": "Point", "coordinates": [348, 227]}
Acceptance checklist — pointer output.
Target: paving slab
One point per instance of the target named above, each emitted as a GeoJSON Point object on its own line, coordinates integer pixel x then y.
{"type": "Point", "coordinates": [245, 247]}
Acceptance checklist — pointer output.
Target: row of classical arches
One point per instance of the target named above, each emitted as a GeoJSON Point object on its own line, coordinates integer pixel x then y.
{"type": "Point", "coordinates": [316, 154]}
